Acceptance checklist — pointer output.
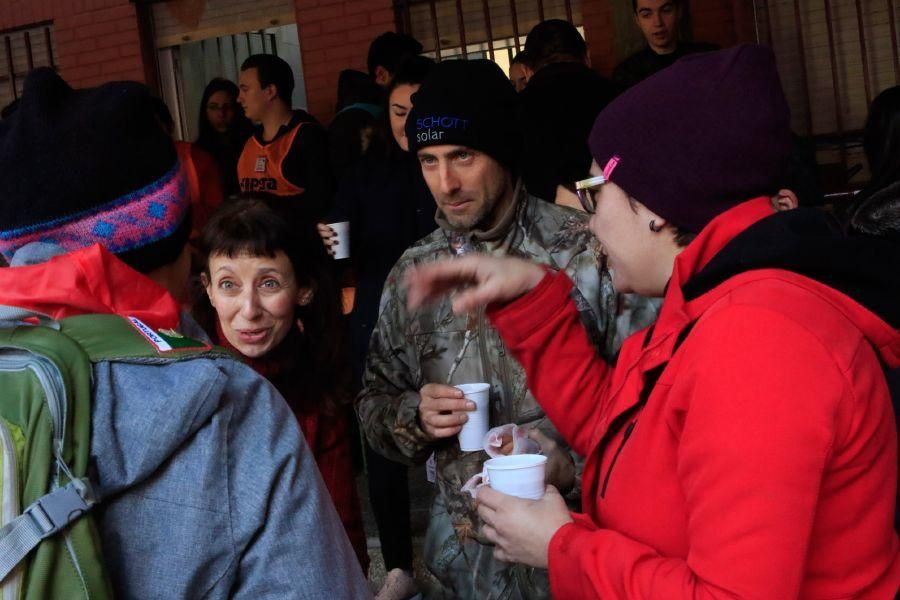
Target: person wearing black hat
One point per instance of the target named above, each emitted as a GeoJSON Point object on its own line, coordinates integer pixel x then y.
{"type": "Point", "coordinates": [559, 105]}
{"type": "Point", "coordinates": [463, 129]}
{"type": "Point", "coordinates": [744, 445]}
{"type": "Point", "coordinates": [206, 485]}
{"type": "Point", "coordinates": [387, 52]}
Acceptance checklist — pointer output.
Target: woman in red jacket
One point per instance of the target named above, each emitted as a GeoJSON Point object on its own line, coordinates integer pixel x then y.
{"type": "Point", "coordinates": [272, 300]}
{"type": "Point", "coordinates": [744, 446]}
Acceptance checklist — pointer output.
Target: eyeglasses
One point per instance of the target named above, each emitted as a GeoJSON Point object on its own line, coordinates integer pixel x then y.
{"type": "Point", "coordinates": [585, 189]}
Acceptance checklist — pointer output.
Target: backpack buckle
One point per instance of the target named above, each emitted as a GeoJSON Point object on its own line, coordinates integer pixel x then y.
{"type": "Point", "coordinates": [61, 506]}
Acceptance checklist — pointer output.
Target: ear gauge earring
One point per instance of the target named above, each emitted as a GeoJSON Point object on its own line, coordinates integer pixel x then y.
{"type": "Point", "coordinates": [654, 227]}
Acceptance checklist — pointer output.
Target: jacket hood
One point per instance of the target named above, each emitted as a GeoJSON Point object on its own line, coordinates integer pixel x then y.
{"type": "Point", "coordinates": [88, 281]}
{"type": "Point", "coordinates": [878, 212]}
{"type": "Point", "coordinates": [857, 273]}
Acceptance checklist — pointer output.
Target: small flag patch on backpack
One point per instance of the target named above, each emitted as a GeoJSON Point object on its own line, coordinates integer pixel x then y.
{"type": "Point", "coordinates": [166, 340]}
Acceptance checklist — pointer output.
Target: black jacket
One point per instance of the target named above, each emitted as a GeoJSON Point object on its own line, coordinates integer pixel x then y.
{"type": "Point", "coordinates": [558, 108]}
{"type": "Point", "coordinates": [644, 63]}
{"type": "Point", "coordinates": [389, 207]}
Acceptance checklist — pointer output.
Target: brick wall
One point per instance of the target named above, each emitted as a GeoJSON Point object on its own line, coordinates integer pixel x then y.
{"type": "Point", "coordinates": [98, 40]}
{"type": "Point", "coordinates": [335, 35]}
{"type": "Point", "coordinates": [95, 40]}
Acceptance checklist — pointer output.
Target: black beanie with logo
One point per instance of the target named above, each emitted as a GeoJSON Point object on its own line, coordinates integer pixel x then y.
{"type": "Point", "coordinates": [467, 103]}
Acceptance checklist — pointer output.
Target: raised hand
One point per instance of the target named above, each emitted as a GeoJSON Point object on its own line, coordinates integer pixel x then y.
{"type": "Point", "coordinates": [482, 280]}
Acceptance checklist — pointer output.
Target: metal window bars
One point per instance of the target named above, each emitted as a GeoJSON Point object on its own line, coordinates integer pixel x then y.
{"type": "Point", "coordinates": [834, 56]}
{"type": "Point", "coordinates": [493, 29]}
{"type": "Point", "coordinates": [23, 49]}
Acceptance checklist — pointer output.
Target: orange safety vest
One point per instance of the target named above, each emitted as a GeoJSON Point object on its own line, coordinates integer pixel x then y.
{"type": "Point", "coordinates": [259, 167]}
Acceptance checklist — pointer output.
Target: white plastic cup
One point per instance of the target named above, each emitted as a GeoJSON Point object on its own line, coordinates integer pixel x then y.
{"type": "Point", "coordinates": [342, 236]}
{"type": "Point", "coordinates": [471, 436]}
{"type": "Point", "coordinates": [520, 475]}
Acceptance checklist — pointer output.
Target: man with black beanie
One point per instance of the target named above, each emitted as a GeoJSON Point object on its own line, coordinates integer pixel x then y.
{"type": "Point", "coordinates": [463, 129]}
{"type": "Point", "coordinates": [206, 484]}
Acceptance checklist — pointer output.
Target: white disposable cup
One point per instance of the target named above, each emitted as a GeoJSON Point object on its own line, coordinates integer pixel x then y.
{"type": "Point", "coordinates": [520, 475]}
{"type": "Point", "coordinates": [471, 436]}
{"type": "Point", "coordinates": [342, 236]}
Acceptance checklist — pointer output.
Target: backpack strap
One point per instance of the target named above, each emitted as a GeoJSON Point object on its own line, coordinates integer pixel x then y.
{"type": "Point", "coordinates": [12, 316]}
{"type": "Point", "coordinates": [44, 518]}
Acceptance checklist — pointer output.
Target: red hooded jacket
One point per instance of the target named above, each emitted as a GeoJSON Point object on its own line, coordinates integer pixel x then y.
{"type": "Point", "coordinates": [761, 464]}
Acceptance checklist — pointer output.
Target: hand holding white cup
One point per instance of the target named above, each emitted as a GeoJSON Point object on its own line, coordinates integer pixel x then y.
{"type": "Point", "coordinates": [336, 237]}
{"type": "Point", "coordinates": [519, 475]}
{"type": "Point", "coordinates": [443, 410]}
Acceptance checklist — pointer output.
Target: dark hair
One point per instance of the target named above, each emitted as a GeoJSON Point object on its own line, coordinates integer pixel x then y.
{"type": "Point", "coordinates": [634, 4]}
{"type": "Point", "coordinates": [206, 136]}
{"type": "Point", "coordinates": [272, 70]}
{"type": "Point", "coordinates": [356, 87]}
{"type": "Point", "coordinates": [876, 209]}
{"type": "Point", "coordinates": [390, 49]}
{"type": "Point", "coordinates": [554, 40]}
{"type": "Point", "coordinates": [259, 226]}
{"type": "Point", "coordinates": [683, 237]}
{"type": "Point", "coordinates": [163, 114]}
{"type": "Point", "coordinates": [412, 71]}
{"type": "Point", "coordinates": [523, 58]}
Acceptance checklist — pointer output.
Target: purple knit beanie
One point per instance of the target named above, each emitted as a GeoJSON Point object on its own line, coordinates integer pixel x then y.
{"type": "Point", "coordinates": [699, 137]}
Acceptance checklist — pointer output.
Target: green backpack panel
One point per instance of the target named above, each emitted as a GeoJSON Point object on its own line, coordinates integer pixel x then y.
{"type": "Point", "coordinates": [49, 544]}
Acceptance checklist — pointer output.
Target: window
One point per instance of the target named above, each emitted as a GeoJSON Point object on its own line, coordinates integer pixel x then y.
{"type": "Point", "coordinates": [834, 57]}
{"type": "Point", "coordinates": [197, 42]}
{"type": "Point", "coordinates": [21, 50]}
{"type": "Point", "coordinates": [494, 29]}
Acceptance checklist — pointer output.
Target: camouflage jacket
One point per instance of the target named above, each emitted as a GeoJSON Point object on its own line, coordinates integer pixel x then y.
{"type": "Point", "coordinates": [432, 345]}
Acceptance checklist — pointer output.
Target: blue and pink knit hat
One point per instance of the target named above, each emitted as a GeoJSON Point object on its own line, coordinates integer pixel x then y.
{"type": "Point", "coordinates": [79, 167]}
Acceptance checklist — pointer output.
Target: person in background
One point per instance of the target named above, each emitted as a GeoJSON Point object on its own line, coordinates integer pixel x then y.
{"type": "Point", "coordinates": [753, 419]}
{"type": "Point", "coordinates": [876, 209]}
{"type": "Point", "coordinates": [520, 70]}
{"type": "Point", "coordinates": [271, 299]}
{"type": "Point", "coordinates": [355, 130]}
{"type": "Point", "coordinates": [558, 108]}
{"type": "Point", "coordinates": [223, 129]}
{"type": "Point", "coordinates": [287, 155]}
{"type": "Point", "coordinates": [206, 485]}
{"type": "Point", "coordinates": [659, 22]}
{"type": "Point", "coordinates": [387, 52]}
{"type": "Point", "coordinates": [203, 176]}
{"type": "Point", "coordinates": [389, 208]}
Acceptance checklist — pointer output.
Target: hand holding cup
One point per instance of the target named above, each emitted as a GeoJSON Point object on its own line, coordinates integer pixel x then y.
{"type": "Point", "coordinates": [443, 410]}
{"type": "Point", "coordinates": [336, 238]}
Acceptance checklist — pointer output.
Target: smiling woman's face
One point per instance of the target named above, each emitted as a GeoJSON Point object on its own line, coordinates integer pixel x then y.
{"type": "Point", "coordinates": [254, 297]}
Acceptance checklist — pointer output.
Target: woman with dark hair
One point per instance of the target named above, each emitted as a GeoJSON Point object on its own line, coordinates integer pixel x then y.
{"type": "Point", "coordinates": [388, 206]}
{"type": "Point", "coordinates": [223, 129]}
{"type": "Point", "coordinates": [272, 299]}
